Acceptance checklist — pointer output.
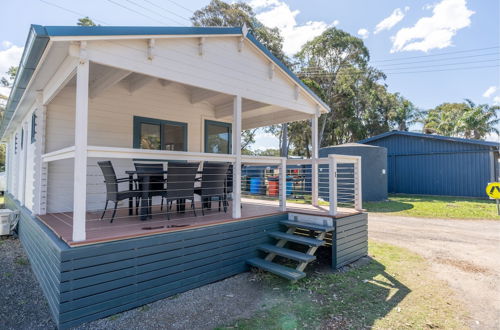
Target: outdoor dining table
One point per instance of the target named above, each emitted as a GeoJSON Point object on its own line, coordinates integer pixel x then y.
{"type": "Point", "coordinates": [145, 177]}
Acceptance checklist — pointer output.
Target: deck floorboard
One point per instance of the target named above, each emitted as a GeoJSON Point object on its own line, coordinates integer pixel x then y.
{"type": "Point", "coordinates": [125, 226]}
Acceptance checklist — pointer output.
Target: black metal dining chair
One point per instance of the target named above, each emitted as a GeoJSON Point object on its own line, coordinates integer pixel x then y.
{"type": "Point", "coordinates": [156, 181]}
{"type": "Point", "coordinates": [213, 185]}
{"type": "Point", "coordinates": [180, 184]}
{"type": "Point", "coordinates": [113, 194]}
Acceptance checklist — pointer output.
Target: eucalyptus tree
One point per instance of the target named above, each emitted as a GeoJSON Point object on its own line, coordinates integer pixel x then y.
{"type": "Point", "coordinates": [220, 13]}
{"type": "Point", "coordinates": [327, 59]}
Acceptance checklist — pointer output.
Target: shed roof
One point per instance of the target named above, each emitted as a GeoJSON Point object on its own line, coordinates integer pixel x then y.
{"type": "Point", "coordinates": [351, 144]}
{"type": "Point", "coordinates": [39, 37]}
{"type": "Point", "coordinates": [432, 136]}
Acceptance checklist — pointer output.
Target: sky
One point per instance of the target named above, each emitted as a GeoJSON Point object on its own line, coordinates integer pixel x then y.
{"type": "Point", "coordinates": [433, 51]}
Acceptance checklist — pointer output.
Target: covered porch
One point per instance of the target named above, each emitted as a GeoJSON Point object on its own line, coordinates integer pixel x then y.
{"type": "Point", "coordinates": [115, 100]}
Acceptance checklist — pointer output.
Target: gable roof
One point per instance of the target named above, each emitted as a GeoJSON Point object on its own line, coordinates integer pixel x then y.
{"type": "Point", "coordinates": [39, 37]}
{"type": "Point", "coordinates": [431, 136]}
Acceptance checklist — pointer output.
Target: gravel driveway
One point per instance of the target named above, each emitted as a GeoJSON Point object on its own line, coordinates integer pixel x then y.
{"type": "Point", "coordinates": [465, 253]}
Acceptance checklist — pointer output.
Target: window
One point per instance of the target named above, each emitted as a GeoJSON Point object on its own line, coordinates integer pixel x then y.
{"type": "Point", "coordinates": [159, 134]}
{"type": "Point", "coordinates": [22, 138]}
{"type": "Point", "coordinates": [217, 137]}
{"type": "Point", "coordinates": [33, 128]}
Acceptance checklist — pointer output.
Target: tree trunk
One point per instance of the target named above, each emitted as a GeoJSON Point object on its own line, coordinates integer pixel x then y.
{"type": "Point", "coordinates": [284, 140]}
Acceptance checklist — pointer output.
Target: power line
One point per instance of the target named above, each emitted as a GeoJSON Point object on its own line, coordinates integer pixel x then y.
{"type": "Point", "coordinates": [437, 59]}
{"type": "Point", "coordinates": [320, 75]}
{"type": "Point", "coordinates": [445, 64]}
{"type": "Point", "coordinates": [135, 11]}
{"type": "Point", "coordinates": [72, 11]}
{"type": "Point", "coordinates": [168, 11]}
{"type": "Point", "coordinates": [432, 55]}
{"type": "Point", "coordinates": [450, 69]}
{"type": "Point", "coordinates": [181, 6]}
{"type": "Point", "coordinates": [154, 12]}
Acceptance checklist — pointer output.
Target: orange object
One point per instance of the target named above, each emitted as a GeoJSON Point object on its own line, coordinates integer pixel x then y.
{"type": "Point", "coordinates": [273, 188]}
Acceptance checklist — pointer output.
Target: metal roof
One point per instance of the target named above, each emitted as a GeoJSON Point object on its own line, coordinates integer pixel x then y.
{"type": "Point", "coordinates": [432, 136]}
{"type": "Point", "coordinates": [39, 36]}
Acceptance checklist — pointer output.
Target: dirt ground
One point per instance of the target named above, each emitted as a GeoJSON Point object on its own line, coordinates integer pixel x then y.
{"type": "Point", "coordinates": [465, 253]}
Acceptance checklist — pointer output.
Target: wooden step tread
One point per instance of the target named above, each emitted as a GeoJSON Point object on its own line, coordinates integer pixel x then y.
{"type": "Point", "coordinates": [296, 239]}
{"type": "Point", "coordinates": [311, 226]}
{"type": "Point", "coordinates": [287, 253]}
{"type": "Point", "coordinates": [286, 272]}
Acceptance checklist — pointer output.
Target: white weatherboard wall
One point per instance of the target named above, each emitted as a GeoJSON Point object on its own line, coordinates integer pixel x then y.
{"type": "Point", "coordinates": [221, 67]}
{"type": "Point", "coordinates": [111, 124]}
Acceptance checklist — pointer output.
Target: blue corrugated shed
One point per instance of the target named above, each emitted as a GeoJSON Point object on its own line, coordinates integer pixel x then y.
{"type": "Point", "coordinates": [438, 165]}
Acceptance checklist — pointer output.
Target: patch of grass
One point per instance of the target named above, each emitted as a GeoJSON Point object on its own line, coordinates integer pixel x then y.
{"type": "Point", "coordinates": [435, 207]}
{"type": "Point", "coordinates": [22, 261]}
{"type": "Point", "coordinates": [144, 308]}
{"type": "Point", "coordinates": [397, 290]}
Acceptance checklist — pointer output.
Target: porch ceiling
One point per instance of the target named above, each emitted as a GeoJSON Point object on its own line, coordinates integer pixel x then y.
{"type": "Point", "coordinates": [254, 113]}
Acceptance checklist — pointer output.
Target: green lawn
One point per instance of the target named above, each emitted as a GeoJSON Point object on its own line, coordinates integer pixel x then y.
{"type": "Point", "coordinates": [397, 290]}
{"type": "Point", "coordinates": [435, 207]}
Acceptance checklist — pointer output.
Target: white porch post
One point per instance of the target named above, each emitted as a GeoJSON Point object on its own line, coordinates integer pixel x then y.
{"type": "Point", "coordinates": [80, 168]}
{"type": "Point", "coordinates": [358, 188]}
{"type": "Point", "coordinates": [314, 165]}
{"type": "Point", "coordinates": [332, 184]}
{"type": "Point", "coordinates": [40, 175]}
{"type": "Point", "coordinates": [237, 153]}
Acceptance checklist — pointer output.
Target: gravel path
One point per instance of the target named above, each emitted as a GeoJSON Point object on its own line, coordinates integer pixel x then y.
{"type": "Point", "coordinates": [465, 253]}
{"type": "Point", "coordinates": [22, 304]}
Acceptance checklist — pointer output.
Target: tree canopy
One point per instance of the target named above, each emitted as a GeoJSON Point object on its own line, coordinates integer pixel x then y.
{"type": "Point", "coordinates": [466, 119]}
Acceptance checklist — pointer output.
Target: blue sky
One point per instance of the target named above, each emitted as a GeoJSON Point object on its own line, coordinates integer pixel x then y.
{"type": "Point", "coordinates": [404, 37]}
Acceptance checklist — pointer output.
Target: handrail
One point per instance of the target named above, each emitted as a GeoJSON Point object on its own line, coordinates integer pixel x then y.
{"type": "Point", "coordinates": [271, 160]}
{"type": "Point", "coordinates": [131, 153]}
{"type": "Point", "coordinates": [64, 153]}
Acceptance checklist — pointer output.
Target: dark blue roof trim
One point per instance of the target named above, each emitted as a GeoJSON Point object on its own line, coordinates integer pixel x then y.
{"type": "Point", "coordinates": [33, 50]}
{"type": "Point", "coordinates": [39, 37]}
{"type": "Point", "coordinates": [285, 68]}
{"type": "Point", "coordinates": [432, 136]}
{"type": "Point", "coordinates": [65, 31]}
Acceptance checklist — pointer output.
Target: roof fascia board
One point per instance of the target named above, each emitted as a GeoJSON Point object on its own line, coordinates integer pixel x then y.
{"type": "Point", "coordinates": [25, 72]}
{"type": "Point", "coordinates": [143, 36]}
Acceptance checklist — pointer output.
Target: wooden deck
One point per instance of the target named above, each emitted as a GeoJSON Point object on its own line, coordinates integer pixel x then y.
{"type": "Point", "coordinates": [125, 226]}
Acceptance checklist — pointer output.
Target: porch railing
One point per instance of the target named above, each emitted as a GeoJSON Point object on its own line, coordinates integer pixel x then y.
{"type": "Point", "coordinates": [334, 181]}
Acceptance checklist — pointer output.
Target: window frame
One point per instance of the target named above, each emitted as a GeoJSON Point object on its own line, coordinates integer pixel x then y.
{"type": "Point", "coordinates": [144, 120]}
{"type": "Point", "coordinates": [22, 138]}
{"type": "Point", "coordinates": [33, 127]}
{"type": "Point", "coordinates": [217, 123]}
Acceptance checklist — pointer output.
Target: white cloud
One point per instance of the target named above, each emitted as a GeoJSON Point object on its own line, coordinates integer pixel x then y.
{"type": "Point", "coordinates": [496, 100]}
{"type": "Point", "coordinates": [389, 22]}
{"type": "Point", "coordinates": [490, 91]}
{"type": "Point", "coordinates": [276, 13]}
{"type": "Point", "coordinates": [436, 31]}
{"type": "Point", "coordinates": [9, 56]}
{"type": "Point", "coordinates": [363, 33]}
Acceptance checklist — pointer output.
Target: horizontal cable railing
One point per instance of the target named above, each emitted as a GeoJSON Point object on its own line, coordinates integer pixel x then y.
{"type": "Point", "coordinates": [193, 184]}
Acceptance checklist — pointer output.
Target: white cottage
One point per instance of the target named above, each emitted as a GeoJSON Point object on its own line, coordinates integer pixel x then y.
{"type": "Point", "coordinates": [163, 96]}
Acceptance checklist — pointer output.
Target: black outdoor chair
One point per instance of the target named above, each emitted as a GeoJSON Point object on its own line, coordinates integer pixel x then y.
{"type": "Point", "coordinates": [180, 185]}
{"type": "Point", "coordinates": [156, 182]}
{"type": "Point", "coordinates": [213, 184]}
{"type": "Point", "coordinates": [112, 192]}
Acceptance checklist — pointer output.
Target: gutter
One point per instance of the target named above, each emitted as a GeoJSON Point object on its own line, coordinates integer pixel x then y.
{"type": "Point", "coordinates": [33, 50]}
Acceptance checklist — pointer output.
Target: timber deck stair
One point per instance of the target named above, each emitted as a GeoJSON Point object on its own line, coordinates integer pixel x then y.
{"type": "Point", "coordinates": [283, 250]}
